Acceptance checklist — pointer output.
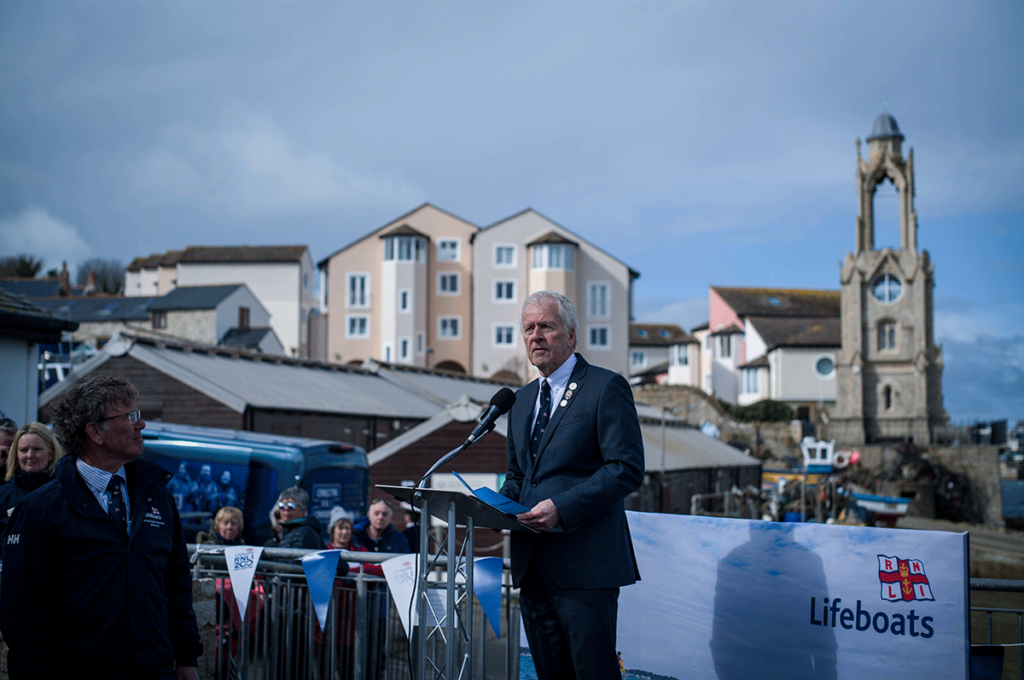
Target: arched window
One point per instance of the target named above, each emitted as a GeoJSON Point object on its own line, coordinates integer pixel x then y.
{"type": "Point", "coordinates": [887, 397]}
{"type": "Point", "coordinates": [886, 335]}
{"type": "Point", "coordinates": [886, 288]}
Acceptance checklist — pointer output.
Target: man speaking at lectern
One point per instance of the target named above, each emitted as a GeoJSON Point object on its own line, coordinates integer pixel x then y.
{"type": "Point", "coordinates": [574, 454]}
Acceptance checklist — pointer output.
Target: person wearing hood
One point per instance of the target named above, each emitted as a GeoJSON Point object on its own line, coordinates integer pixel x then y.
{"type": "Point", "coordinates": [34, 455]}
{"type": "Point", "coordinates": [298, 530]}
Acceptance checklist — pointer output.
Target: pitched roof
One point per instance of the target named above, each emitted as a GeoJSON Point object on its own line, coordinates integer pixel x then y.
{"type": "Point", "coordinates": [195, 297]}
{"type": "Point", "coordinates": [403, 230]}
{"type": "Point", "coordinates": [232, 254]}
{"type": "Point", "coordinates": [168, 259]}
{"type": "Point", "coordinates": [687, 448]}
{"type": "Point", "coordinates": [92, 309]}
{"type": "Point", "coordinates": [249, 338]}
{"type": "Point", "coordinates": [238, 378]}
{"type": "Point", "coordinates": [20, 318]}
{"type": "Point", "coordinates": [780, 301]}
{"type": "Point", "coordinates": [658, 334]}
{"type": "Point", "coordinates": [798, 331]}
{"type": "Point", "coordinates": [552, 237]}
{"type": "Point", "coordinates": [31, 288]}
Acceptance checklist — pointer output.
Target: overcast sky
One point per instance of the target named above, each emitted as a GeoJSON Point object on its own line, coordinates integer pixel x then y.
{"type": "Point", "coordinates": [702, 143]}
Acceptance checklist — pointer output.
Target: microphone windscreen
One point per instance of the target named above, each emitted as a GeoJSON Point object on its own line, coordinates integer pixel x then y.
{"type": "Point", "coordinates": [503, 399]}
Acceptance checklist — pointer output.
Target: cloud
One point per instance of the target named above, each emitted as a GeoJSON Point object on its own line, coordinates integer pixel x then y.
{"type": "Point", "coordinates": [984, 380]}
{"type": "Point", "coordinates": [35, 232]}
{"type": "Point", "coordinates": [964, 321]}
{"type": "Point", "coordinates": [248, 166]}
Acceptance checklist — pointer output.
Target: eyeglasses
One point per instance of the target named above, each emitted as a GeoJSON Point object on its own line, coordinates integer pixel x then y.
{"type": "Point", "coordinates": [290, 505]}
{"type": "Point", "coordinates": [133, 416]}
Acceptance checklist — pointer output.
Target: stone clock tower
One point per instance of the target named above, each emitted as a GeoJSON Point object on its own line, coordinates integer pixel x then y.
{"type": "Point", "coordinates": [889, 371]}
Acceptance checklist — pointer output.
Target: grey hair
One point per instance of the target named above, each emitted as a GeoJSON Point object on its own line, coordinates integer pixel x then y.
{"type": "Point", "coordinates": [297, 494]}
{"type": "Point", "coordinates": [83, 402]}
{"type": "Point", "coordinates": [566, 310]}
{"type": "Point", "coordinates": [8, 425]}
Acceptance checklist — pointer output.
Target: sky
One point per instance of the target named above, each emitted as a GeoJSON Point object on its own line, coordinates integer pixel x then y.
{"type": "Point", "coordinates": [701, 143]}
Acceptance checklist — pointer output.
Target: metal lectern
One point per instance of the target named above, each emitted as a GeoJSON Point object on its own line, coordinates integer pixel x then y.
{"type": "Point", "coordinates": [455, 626]}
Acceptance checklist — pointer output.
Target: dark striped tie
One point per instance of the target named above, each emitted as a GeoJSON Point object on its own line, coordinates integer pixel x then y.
{"type": "Point", "coordinates": [542, 417]}
{"type": "Point", "coordinates": [116, 507]}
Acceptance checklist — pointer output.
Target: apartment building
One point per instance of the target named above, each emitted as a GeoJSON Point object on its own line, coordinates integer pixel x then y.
{"type": "Point", "coordinates": [403, 293]}
{"type": "Point", "coordinates": [526, 253]}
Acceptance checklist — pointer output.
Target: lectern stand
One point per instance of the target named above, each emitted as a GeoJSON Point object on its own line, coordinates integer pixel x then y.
{"type": "Point", "coordinates": [455, 627]}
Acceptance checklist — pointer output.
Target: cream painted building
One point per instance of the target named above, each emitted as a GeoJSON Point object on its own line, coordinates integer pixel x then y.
{"type": "Point", "coordinates": [403, 293]}
{"type": "Point", "coordinates": [526, 253]}
{"type": "Point", "coordinates": [281, 277]}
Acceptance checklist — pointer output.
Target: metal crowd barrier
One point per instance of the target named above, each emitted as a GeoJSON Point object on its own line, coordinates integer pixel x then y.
{"type": "Point", "coordinates": [281, 639]}
{"type": "Point", "coordinates": [1002, 628]}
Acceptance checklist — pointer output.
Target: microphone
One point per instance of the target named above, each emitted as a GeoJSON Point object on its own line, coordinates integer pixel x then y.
{"type": "Point", "coordinates": [501, 402]}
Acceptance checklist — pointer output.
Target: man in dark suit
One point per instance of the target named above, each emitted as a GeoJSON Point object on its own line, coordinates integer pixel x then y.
{"type": "Point", "coordinates": [574, 454]}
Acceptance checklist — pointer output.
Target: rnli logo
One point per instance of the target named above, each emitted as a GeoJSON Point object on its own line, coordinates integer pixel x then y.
{"type": "Point", "coordinates": [244, 561]}
{"type": "Point", "coordinates": [903, 580]}
{"type": "Point", "coordinates": [153, 517]}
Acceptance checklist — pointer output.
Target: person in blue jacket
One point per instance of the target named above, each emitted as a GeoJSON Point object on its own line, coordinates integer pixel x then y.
{"type": "Point", "coordinates": [97, 559]}
{"type": "Point", "coordinates": [376, 534]}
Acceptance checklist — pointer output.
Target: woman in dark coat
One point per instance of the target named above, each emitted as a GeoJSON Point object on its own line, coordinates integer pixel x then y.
{"type": "Point", "coordinates": [225, 529]}
{"type": "Point", "coordinates": [33, 456]}
{"type": "Point", "coordinates": [298, 530]}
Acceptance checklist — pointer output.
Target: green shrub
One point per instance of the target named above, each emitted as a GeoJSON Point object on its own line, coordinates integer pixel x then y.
{"type": "Point", "coordinates": [764, 411]}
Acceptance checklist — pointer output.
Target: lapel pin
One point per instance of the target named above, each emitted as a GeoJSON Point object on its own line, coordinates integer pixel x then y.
{"type": "Point", "coordinates": [572, 386]}
{"type": "Point", "coordinates": [564, 402]}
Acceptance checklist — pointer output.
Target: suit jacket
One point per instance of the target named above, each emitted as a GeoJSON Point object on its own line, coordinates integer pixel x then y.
{"type": "Point", "coordinates": [590, 458]}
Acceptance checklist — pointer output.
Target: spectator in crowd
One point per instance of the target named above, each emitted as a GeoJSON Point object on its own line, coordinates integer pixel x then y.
{"type": "Point", "coordinates": [7, 429]}
{"type": "Point", "coordinates": [376, 532]}
{"type": "Point", "coordinates": [97, 559]}
{"type": "Point", "coordinates": [225, 528]}
{"type": "Point", "coordinates": [412, 527]}
{"type": "Point", "coordinates": [298, 530]}
{"type": "Point", "coordinates": [34, 456]}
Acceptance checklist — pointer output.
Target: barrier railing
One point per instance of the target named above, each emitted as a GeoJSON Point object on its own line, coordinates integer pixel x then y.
{"type": "Point", "coordinates": [281, 639]}
{"type": "Point", "coordinates": [999, 631]}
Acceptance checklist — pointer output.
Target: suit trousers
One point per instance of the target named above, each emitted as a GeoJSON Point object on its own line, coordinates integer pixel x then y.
{"type": "Point", "coordinates": [571, 632]}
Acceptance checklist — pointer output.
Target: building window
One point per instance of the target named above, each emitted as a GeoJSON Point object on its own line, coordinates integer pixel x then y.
{"type": "Point", "coordinates": [358, 291]}
{"type": "Point", "coordinates": [887, 397]}
{"type": "Point", "coordinates": [749, 380]}
{"type": "Point", "coordinates": [597, 300]}
{"type": "Point", "coordinates": [886, 336]}
{"type": "Point", "coordinates": [448, 327]}
{"type": "Point", "coordinates": [680, 355]}
{"type": "Point", "coordinates": [403, 349]}
{"type": "Point", "coordinates": [723, 346]}
{"type": "Point", "coordinates": [403, 300]}
{"type": "Point", "coordinates": [504, 336]}
{"type": "Point", "coordinates": [886, 289]}
{"type": "Point", "coordinates": [243, 318]}
{"type": "Point", "coordinates": [448, 250]}
{"type": "Point", "coordinates": [637, 359]}
{"type": "Point", "coordinates": [707, 342]}
{"type": "Point", "coordinates": [387, 353]}
{"type": "Point", "coordinates": [598, 337]}
{"type": "Point", "coordinates": [357, 327]}
{"type": "Point", "coordinates": [553, 256]}
{"type": "Point", "coordinates": [404, 249]}
{"type": "Point", "coordinates": [160, 319]}
{"type": "Point", "coordinates": [419, 343]}
{"type": "Point", "coordinates": [825, 367]}
{"type": "Point", "coordinates": [448, 284]}
{"type": "Point", "coordinates": [504, 291]}
{"type": "Point", "coordinates": [504, 256]}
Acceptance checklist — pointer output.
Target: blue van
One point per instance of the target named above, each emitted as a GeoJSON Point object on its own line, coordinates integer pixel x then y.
{"type": "Point", "coordinates": [215, 467]}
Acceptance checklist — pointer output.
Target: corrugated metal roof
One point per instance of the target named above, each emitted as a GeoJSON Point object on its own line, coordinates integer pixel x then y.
{"type": "Point", "coordinates": [238, 382]}
{"type": "Point", "coordinates": [688, 449]}
{"type": "Point", "coordinates": [444, 389]}
{"type": "Point", "coordinates": [83, 309]}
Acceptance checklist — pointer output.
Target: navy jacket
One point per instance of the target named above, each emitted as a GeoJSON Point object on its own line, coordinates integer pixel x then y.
{"type": "Point", "coordinates": [590, 458]}
{"type": "Point", "coordinates": [81, 597]}
{"type": "Point", "coordinates": [13, 491]}
{"type": "Point", "coordinates": [390, 542]}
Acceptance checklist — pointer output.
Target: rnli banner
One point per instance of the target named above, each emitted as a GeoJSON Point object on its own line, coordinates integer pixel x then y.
{"type": "Point", "coordinates": [726, 599]}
